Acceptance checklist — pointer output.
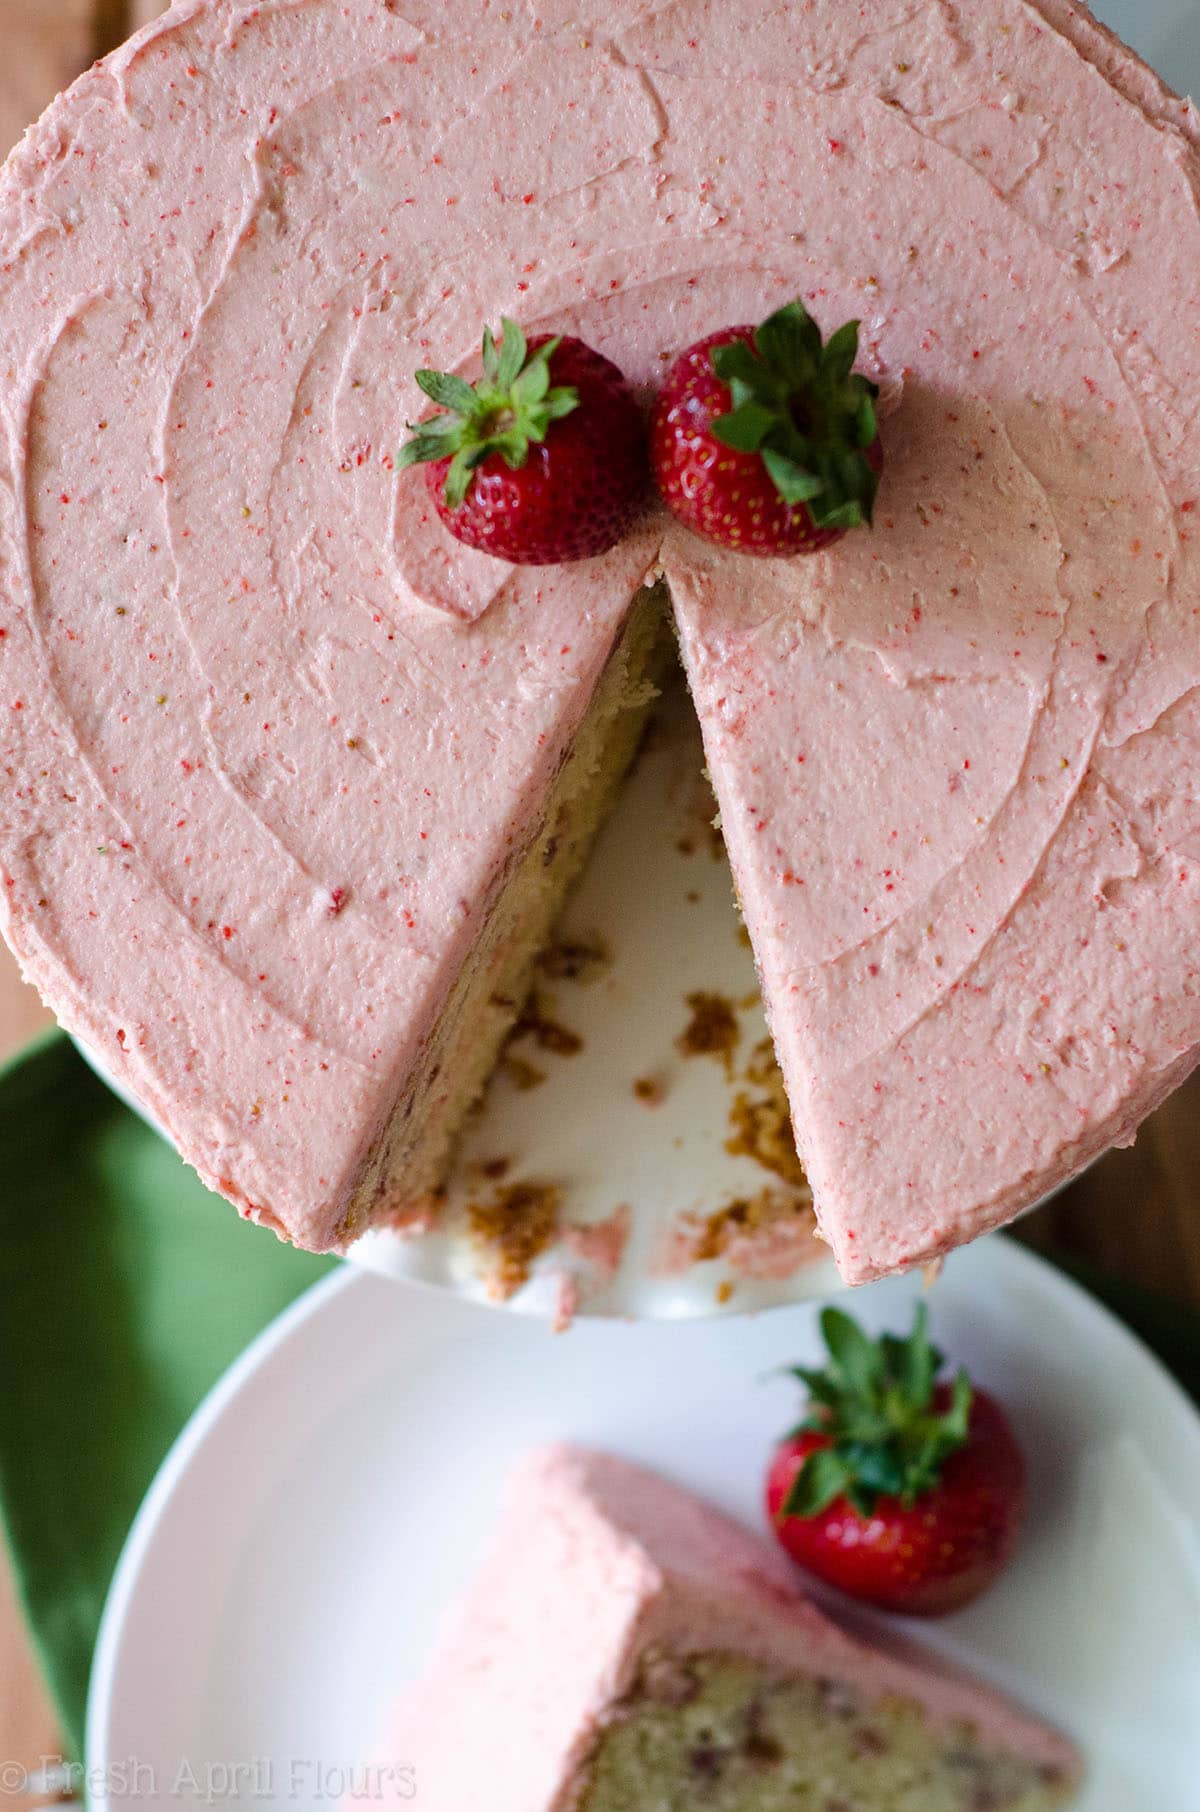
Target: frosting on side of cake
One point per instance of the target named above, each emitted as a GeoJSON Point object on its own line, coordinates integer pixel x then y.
{"type": "Point", "coordinates": [272, 738]}
{"type": "Point", "coordinates": [598, 1567]}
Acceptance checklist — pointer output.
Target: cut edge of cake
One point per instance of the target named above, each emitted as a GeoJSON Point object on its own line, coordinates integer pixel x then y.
{"type": "Point", "coordinates": [406, 1168]}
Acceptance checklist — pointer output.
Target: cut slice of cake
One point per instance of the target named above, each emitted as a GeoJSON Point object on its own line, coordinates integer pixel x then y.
{"type": "Point", "coordinates": [293, 781]}
{"type": "Point", "coordinates": [626, 1648]}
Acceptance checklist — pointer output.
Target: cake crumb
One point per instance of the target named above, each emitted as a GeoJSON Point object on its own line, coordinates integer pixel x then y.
{"type": "Point", "coordinates": [651, 1091]}
{"type": "Point", "coordinates": [581, 959]}
{"type": "Point", "coordinates": [724, 1292]}
{"type": "Point", "coordinates": [514, 1229]}
{"type": "Point", "coordinates": [521, 1074]}
{"type": "Point", "coordinates": [494, 1169]}
{"type": "Point", "coordinates": [600, 1244]}
{"type": "Point", "coordinates": [536, 1022]}
{"type": "Point", "coordinates": [762, 1123]}
{"type": "Point", "coordinates": [766, 1237]}
{"type": "Point", "coordinates": [713, 1030]}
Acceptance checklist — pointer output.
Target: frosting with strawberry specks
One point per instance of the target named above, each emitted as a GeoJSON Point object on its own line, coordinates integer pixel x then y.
{"type": "Point", "coordinates": [271, 735]}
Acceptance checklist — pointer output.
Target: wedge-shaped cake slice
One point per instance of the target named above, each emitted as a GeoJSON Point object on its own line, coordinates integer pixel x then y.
{"type": "Point", "coordinates": [626, 1648]}
{"type": "Point", "coordinates": [293, 782]}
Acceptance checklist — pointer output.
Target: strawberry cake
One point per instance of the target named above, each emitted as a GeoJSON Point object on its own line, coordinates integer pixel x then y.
{"type": "Point", "coordinates": [626, 1647]}
{"type": "Point", "coordinates": [295, 781]}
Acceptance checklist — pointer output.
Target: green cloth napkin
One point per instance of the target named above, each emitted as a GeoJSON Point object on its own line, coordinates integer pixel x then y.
{"type": "Point", "coordinates": [125, 1291]}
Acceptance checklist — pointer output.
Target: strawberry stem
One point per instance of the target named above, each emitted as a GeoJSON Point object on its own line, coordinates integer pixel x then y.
{"type": "Point", "coordinates": [509, 408]}
{"type": "Point", "coordinates": [809, 416]}
{"type": "Point", "coordinates": [875, 1401]}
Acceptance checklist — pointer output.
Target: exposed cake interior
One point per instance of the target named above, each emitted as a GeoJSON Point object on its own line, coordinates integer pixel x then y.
{"type": "Point", "coordinates": [409, 1162]}
{"type": "Point", "coordinates": [728, 1734]}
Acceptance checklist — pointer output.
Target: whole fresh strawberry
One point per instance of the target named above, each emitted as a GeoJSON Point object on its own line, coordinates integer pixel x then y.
{"type": "Point", "coordinates": [764, 440]}
{"type": "Point", "coordinates": [901, 1490]}
{"type": "Point", "coordinates": [543, 459]}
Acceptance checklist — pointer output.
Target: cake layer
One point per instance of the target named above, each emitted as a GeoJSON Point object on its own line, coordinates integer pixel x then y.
{"type": "Point", "coordinates": [274, 742]}
{"type": "Point", "coordinates": [724, 1734]}
{"type": "Point", "coordinates": [602, 1580]}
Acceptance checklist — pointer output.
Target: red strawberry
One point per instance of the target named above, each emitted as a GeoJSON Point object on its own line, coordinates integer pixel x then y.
{"type": "Point", "coordinates": [901, 1491]}
{"type": "Point", "coordinates": [543, 459]}
{"type": "Point", "coordinates": [764, 440]}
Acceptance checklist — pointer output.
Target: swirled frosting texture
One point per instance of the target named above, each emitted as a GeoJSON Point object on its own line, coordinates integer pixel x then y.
{"type": "Point", "coordinates": [270, 737]}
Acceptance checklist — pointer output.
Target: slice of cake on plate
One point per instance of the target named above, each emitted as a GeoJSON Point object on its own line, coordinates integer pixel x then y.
{"type": "Point", "coordinates": [294, 782]}
{"type": "Point", "coordinates": [626, 1648]}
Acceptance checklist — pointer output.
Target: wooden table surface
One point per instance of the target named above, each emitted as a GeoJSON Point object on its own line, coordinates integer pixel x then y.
{"type": "Point", "coordinates": [1136, 1211]}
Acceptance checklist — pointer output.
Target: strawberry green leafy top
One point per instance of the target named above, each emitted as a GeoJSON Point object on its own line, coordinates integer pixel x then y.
{"type": "Point", "coordinates": [511, 406]}
{"type": "Point", "coordinates": [875, 1401]}
{"type": "Point", "coordinates": [801, 407]}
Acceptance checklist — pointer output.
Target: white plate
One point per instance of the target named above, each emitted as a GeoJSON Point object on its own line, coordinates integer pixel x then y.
{"type": "Point", "coordinates": [335, 1492]}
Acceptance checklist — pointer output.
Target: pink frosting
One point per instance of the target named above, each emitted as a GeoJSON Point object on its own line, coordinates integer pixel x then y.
{"type": "Point", "coordinates": [270, 736]}
{"type": "Point", "coordinates": [958, 759]}
{"type": "Point", "coordinates": [596, 1560]}
{"type": "Point", "coordinates": [261, 790]}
